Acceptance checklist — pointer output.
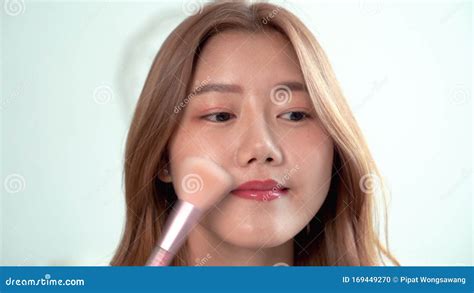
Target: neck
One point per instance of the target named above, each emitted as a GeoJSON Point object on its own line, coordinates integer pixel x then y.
{"type": "Point", "coordinates": [206, 249]}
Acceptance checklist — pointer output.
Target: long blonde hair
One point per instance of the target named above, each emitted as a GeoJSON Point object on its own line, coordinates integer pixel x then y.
{"type": "Point", "coordinates": [343, 231]}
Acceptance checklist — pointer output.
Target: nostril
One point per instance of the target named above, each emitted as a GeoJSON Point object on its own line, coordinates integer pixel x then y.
{"type": "Point", "coordinates": [253, 159]}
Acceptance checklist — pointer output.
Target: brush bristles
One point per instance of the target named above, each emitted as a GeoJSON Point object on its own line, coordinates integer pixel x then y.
{"type": "Point", "coordinates": [201, 182]}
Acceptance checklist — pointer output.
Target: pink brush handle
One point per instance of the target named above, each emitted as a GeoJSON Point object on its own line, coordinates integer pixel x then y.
{"type": "Point", "coordinates": [160, 258]}
{"type": "Point", "coordinates": [180, 222]}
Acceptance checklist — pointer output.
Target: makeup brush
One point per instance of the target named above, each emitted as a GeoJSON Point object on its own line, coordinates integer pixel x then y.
{"type": "Point", "coordinates": [199, 184]}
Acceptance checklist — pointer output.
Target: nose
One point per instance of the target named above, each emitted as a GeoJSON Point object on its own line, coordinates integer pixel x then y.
{"type": "Point", "coordinates": [259, 145]}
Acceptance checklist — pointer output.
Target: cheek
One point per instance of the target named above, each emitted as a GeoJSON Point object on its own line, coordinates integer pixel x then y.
{"type": "Point", "coordinates": [312, 142]}
{"type": "Point", "coordinates": [193, 139]}
{"type": "Point", "coordinates": [313, 155]}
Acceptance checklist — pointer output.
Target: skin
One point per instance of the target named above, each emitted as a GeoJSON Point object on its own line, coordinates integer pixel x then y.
{"type": "Point", "coordinates": [253, 136]}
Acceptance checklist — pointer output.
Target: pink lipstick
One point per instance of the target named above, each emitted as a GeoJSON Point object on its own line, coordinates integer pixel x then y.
{"type": "Point", "coordinates": [266, 190]}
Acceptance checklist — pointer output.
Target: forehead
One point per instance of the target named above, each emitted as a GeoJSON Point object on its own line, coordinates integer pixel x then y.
{"type": "Point", "coordinates": [243, 57]}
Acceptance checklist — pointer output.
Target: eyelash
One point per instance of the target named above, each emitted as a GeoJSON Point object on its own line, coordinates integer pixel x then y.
{"type": "Point", "coordinates": [305, 116]}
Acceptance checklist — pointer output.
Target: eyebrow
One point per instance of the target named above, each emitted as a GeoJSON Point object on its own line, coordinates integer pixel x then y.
{"type": "Point", "coordinates": [217, 87]}
{"type": "Point", "coordinates": [233, 88]}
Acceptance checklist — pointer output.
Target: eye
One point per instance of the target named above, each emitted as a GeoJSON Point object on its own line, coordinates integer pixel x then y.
{"type": "Point", "coordinates": [297, 116]}
{"type": "Point", "coordinates": [218, 117]}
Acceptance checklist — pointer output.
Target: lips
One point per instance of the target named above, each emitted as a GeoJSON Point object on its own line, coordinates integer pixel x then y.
{"type": "Point", "coordinates": [266, 190]}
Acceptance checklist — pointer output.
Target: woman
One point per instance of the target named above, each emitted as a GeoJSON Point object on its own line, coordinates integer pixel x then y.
{"type": "Point", "coordinates": [248, 86]}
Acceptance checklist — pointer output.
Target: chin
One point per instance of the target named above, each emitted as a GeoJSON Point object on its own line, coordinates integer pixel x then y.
{"type": "Point", "coordinates": [253, 236]}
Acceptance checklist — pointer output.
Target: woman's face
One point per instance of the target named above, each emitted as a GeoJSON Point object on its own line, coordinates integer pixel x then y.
{"type": "Point", "coordinates": [246, 114]}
